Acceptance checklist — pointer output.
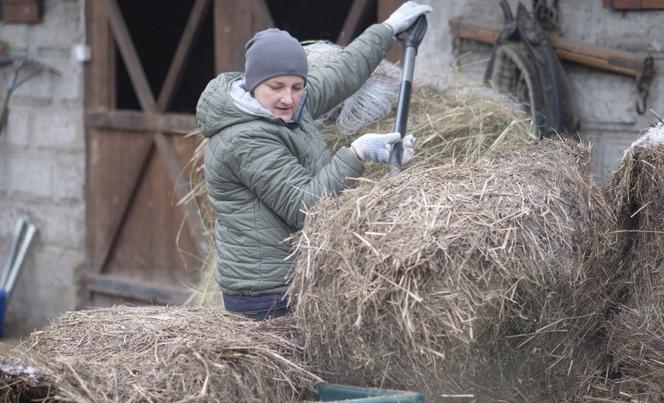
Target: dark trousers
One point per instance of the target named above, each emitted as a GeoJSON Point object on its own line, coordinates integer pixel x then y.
{"type": "Point", "coordinates": [257, 307]}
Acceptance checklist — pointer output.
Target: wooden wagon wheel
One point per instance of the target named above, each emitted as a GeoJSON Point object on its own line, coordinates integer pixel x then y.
{"type": "Point", "coordinates": [514, 73]}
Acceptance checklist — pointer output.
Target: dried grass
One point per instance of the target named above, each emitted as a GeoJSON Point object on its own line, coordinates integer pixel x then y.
{"type": "Point", "coordinates": [466, 279]}
{"type": "Point", "coordinates": [159, 354]}
{"type": "Point", "coordinates": [465, 122]}
{"type": "Point", "coordinates": [635, 371]}
{"type": "Point", "coordinates": [206, 292]}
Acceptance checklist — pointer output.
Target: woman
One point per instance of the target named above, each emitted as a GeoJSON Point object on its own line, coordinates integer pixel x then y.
{"type": "Point", "coordinates": [266, 162]}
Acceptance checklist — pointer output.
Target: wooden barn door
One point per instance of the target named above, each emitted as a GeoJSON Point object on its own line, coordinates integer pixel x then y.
{"type": "Point", "coordinates": [145, 247]}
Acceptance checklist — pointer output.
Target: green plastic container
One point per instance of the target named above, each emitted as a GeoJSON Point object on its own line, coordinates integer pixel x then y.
{"type": "Point", "coordinates": [328, 392]}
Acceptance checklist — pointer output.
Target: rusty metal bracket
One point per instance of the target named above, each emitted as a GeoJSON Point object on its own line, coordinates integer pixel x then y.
{"type": "Point", "coordinates": [644, 78]}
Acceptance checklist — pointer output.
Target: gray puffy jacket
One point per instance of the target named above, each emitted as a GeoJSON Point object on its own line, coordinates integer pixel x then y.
{"type": "Point", "coordinates": [262, 172]}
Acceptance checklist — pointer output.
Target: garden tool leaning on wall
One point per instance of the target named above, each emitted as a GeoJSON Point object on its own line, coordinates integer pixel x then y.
{"type": "Point", "coordinates": [24, 232]}
{"type": "Point", "coordinates": [13, 82]}
{"type": "Point", "coordinates": [410, 41]}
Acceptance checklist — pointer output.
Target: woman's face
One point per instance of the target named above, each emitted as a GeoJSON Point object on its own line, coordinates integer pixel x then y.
{"type": "Point", "coordinates": [280, 95]}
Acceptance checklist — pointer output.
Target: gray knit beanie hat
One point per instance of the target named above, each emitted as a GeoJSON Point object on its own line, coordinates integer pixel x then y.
{"type": "Point", "coordinates": [272, 53]}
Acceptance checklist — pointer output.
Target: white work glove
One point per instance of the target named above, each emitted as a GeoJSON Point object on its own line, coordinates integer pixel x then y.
{"type": "Point", "coordinates": [408, 149]}
{"type": "Point", "coordinates": [404, 16]}
{"type": "Point", "coordinates": [377, 147]}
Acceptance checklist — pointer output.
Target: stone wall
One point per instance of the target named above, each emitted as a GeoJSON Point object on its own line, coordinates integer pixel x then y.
{"type": "Point", "coordinates": [42, 165]}
{"type": "Point", "coordinates": [605, 101]}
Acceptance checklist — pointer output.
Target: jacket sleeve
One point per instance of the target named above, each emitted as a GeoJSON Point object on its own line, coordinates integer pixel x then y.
{"type": "Point", "coordinates": [267, 167]}
{"type": "Point", "coordinates": [341, 78]}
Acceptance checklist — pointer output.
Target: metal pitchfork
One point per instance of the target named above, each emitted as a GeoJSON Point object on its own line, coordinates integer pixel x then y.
{"type": "Point", "coordinates": [23, 234]}
{"type": "Point", "coordinates": [410, 41]}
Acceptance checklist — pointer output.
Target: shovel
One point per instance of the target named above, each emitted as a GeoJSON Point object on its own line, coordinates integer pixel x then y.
{"type": "Point", "coordinates": [23, 234]}
{"type": "Point", "coordinates": [410, 41]}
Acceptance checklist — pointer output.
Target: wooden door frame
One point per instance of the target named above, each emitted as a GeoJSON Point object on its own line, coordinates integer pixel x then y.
{"type": "Point", "coordinates": [107, 29]}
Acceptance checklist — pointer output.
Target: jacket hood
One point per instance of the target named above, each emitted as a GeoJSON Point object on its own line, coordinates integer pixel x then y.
{"type": "Point", "coordinates": [226, 102]}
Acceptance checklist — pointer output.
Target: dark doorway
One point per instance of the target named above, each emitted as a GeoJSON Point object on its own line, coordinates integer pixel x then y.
{"type": "Point", "coordinates": [314, 20]}
{"type": "Point", "coordinates": [155, 27]}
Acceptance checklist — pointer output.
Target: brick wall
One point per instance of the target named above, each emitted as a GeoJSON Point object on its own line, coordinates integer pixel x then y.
{"type": "Point", "coordinates": [42, 165]}
{"type": "Point", "coordinates": [605, 101]}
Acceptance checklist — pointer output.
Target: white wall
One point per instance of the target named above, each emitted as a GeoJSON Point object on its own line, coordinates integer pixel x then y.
{"type": "Point", "coordinates": [42, 165]}
{"type": "Point", "coordinates": [605, 101]}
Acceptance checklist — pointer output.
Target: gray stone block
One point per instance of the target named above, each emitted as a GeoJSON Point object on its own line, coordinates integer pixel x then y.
{"type": "Point", "coordinates": [69, 178]}
{"type": "Point", "coordinates": [38, 91]}
{"type": "Point", "coordinates": [61, 27]}
{"type": "Point", "coordinates": [4, 171]}
{"type": "Point", "coordinates": [5, 243]}
{"type": "Point", "coordinates": [68, 87]}
{"type": "Point", "coordinates": [16, 36]}
{"type": "Point", "coordinates": [603, 97]}
{"type": "Point", "coordinates": [8, 216]}
{"type": "Point", "coordinates": [30, 175]}
{"type": "Point", "coordinates": [16, 132]}
{"type": "Point", "coordinates": [608, 147]}
{"type": "Point", "coordinates": [45, 289]}
{"type": "Point", "coordinates": [638, 31]}
{"type": "Point", "coordinates": [58, 129]}
{"type": "Point", "coordinates": [58, 225]}
{"type": "Point", "coordinates": [62, 226]}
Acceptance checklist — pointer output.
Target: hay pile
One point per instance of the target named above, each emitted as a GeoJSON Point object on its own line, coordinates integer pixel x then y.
{"type": "Point", "coordinates": [459, 280]}
{"type": "Point", "coordinates": [159, 354]}
{"type": "Point", "coordinates": [636, 325]}
{"type": "Point", "coordinates": [465, 122]}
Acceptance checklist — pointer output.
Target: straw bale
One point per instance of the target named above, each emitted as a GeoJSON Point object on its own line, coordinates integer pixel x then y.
{"type": "Point", "coordinates": [22, 379]}
{"type": "Point", "coordinates": [160, 354]}
{"type": "Point", "coordinates": [464, 122]}
{"type": "Point", "coordinates": [458, 280]}
{"type": "Point", "coordinates": [635, 326]}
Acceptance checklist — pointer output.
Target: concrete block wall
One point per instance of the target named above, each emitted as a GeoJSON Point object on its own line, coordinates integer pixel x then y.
{"type": "Point", "coordinates": [605, 101]}
{"type": "Point", "coordinates": [42, 165]}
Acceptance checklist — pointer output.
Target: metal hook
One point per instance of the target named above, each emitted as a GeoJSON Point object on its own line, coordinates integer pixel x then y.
{"type": "Point", "coordinates": [643, 80]}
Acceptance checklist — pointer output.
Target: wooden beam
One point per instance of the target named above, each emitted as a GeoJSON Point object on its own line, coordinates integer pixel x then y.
{"type": "Point", "coordinates": [357, 11]}
{"type": "Point", "coordinates": [607, 59]}
{"type": "Point", "coordinates": [197, 15]}
{"type": "Point", "coordinates": [99, 93]}
{"type": "Point", "coordinates": [124, 201]}
{"type": "Point", "coordinates": [652, 4]}
{"type": "Point", "coordinates": [233, 27]}
{"type": "Point", "coordinates": [134, 121]}
{"type": "Point", "coordinates": [621, 4]}
{"type": "Point", "coordinates": [130, 57]}
{"type": "Point", "coordinates": [263, 17]}
{"type": "Point", "coordinates": [633, 4]}
{"type": "Point", "coordinates": [100, 72]}
{"type": "Point", "coordinates": [222, 44]}
{"type": "Point", "coordinates": [134, 289]}
{"type": "Point", "coordinates": [182, 188]}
